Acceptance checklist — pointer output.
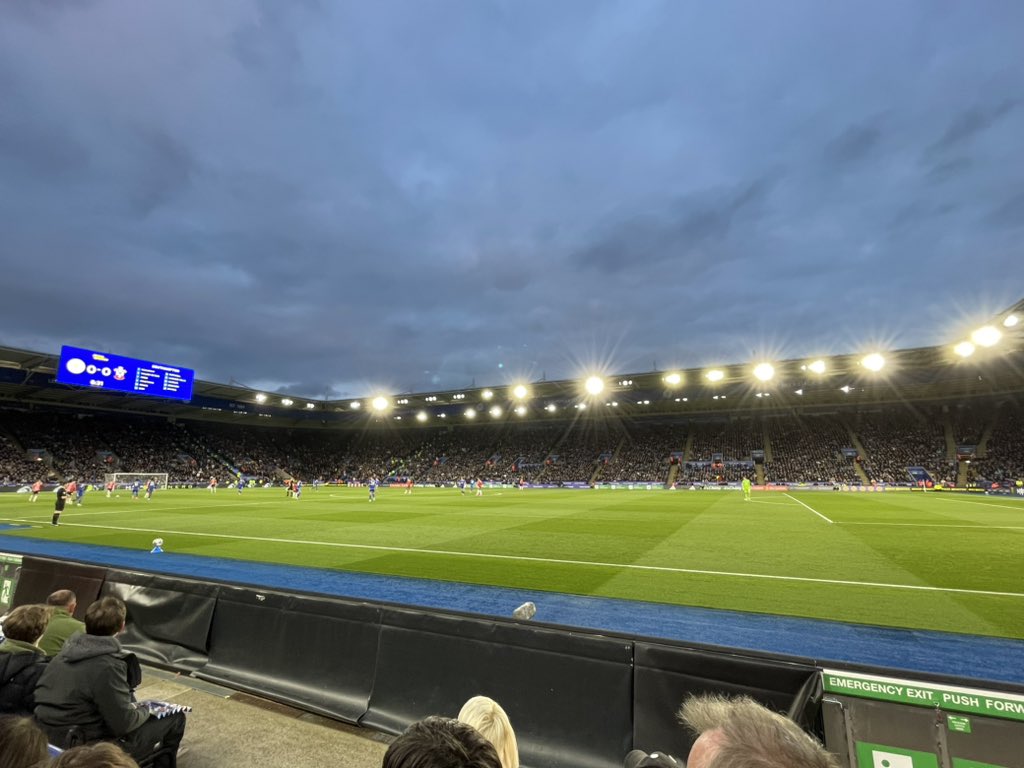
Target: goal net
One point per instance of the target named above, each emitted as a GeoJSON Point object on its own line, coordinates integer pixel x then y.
{"type": "Point", "coordinates": [125, 479]}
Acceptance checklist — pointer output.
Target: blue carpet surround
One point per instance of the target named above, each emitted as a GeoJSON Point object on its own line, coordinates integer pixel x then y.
{"type": "Point", "coordinates": [982, 658]}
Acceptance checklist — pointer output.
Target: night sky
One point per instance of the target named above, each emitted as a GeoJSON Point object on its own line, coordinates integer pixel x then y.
{"type": "Point", "coordinates": [332, 198]}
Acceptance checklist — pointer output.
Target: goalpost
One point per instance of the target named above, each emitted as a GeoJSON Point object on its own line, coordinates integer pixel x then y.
{"type": "Point", "coordinates": [125, 479]}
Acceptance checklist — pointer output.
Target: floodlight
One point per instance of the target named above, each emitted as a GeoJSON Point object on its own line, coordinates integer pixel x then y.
{"type": "Point", "coordinates": [310, 406]}
{"type": "Point", "coordinates": [380, 403]}
{"type": "Point", "coordinates": [495, 411]}
{"type": "Point", "coordinates": [519, 392]}
{"type": "Point", "coordinates": [421, 416]}
{"type": "Point", "coordinates": [487, 394]}
{"type": "Point", "coordinates": [551, 407]}
{"type": "Point", "coordinates": [471, 413]}
{"type": "Point", "coordinates": [715, 374]}
{"type": "Point", "coordinates": [520, 410]}
{"type": "Point", "coordinates": [845, 389]}
{"type": "Point", "coordinates": [1010, 321]}
{"type": "Point", "coordinates": [673, 379]}
{"type": "Point", "coordinates": [286, 401]}
{"type": "Point", "coordinates": [799, 392]}
{"type": "Point", "coordinates": [764, 372]}
{"type": "Point", "coordinates": [873, 362]}
{"type": "Point", "coordinates": [987, 336]}
{"type": "Point", "coordinates": [594, 385]}
{"type": "Point", "coordinates": [355, 405]}
{"type": "Point", "coordinates": [261, 398]}
{"type": "Point", "coordinates": [818, 366]}
{"type": "Point", "coordinates": [578, 406]}
{"type": "Point", "coordinates": [964, 349]}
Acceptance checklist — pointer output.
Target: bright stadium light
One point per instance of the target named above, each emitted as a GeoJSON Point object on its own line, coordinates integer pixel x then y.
{"type": "Point", "coordinates": [987, 336]}
{"type": "Point", "coordinates": [355, 405]}
{"type": "Point", "coordinates": [673, 379]}
{"type": "Point", "coordinates": [520, 410]}
{"type": "Point", "coordinates": [471, 413]}
{"type": "Point", "coordinates": [873, 362]}
{"type": "Point", "coordinates": [964, 349]}
{"type": "Point", "coordinates": [380, 403]}
{"type": "Point", "coordinates": [1010, 321]}
{"type": "Point", "coordinates": [520, 392]}
{"type": "Point", "coordinates": [551, 407]}
{"type": "Point", "coordinates": [421, 416]}
{"type": "Point", "coordinates": [487, 394]}
{"type": "Point", "coordinates": [594, 385]}
{"type": "Point", "coordinates": [764, 372]}
{"type": "Point", "coordinates": [261, 398]}
{"type": "Point", "coordinates": [286, 401]}
{"type": "Point", "coordinates": [495, 411]}
{"type": "Point", "coordinates": [310, 406]}
{"type": "Point", "coordinates": [818, 367]}
{"type": "Point", "coordinates": [715, 374]}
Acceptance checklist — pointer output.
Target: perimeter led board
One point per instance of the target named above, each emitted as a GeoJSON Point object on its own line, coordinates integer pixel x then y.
{"type": "Point", "coordinates": [99, 370]}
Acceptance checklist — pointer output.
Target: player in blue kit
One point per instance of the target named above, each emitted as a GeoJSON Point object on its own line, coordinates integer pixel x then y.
{"type": "Point", "coordinates": [79, 494]}
{"type": "Point", "coordinates": [136, 485]}
{"type": "Point", "coordinates": [240, 485]}
{"type": "Point", "coordinates": [150, 487]}
{"type": "Point", "coordinates": [298, 490]}
{"type": "Point", "coordinates": [462, 485]}
{"type": "Point", "coordinates": [372, 484]}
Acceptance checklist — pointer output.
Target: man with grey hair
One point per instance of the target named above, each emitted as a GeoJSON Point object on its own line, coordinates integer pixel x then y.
{"type": "Point", "coordinates": [63, 623]}
{"type": "Point", "coordinates": [740, 733]}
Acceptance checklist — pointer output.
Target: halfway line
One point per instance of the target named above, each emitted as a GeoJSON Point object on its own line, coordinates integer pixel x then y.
{"type": "Point", "coordinates": [558, 561]}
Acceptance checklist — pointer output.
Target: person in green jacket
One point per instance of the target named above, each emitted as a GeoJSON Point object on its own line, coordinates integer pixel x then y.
{"type": "Point", "coordinates": [63, 623]}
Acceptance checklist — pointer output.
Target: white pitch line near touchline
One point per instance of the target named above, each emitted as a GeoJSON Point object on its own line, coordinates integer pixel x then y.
{"type": "Point", "coordinates": [974, 526]}
{"type": "Point", "coordinates": [557, 561]}
{"type": "Point", "coordinates": [812, 509]}
{"type": "Point", "coordinates": [1015, 507]}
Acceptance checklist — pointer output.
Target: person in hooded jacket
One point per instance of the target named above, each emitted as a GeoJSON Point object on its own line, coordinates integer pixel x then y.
{"type": "Point", "coordinates": [87, 692]}
{"type": "Point", "coordinates": [21, 661]}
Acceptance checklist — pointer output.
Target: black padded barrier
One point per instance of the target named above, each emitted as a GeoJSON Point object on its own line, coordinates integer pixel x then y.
{"type": "Point", "coordinates": [169, 618]}
{"type": "Point", "coordinates": [42, 576]}
{"type": "Point", "coordinates": [316, 653]}
{"type": "Point", "coordinates": [567, 694]}
{"type": "Point", "coordinates": [666, 674]}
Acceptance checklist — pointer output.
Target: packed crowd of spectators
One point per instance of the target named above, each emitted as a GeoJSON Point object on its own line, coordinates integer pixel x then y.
{"type": "Point", "coordinates": [809, 450]}
{"type": "Point", "coordinates": [796, 449]}
{"type": "Point", "coordinates": [894, 441]}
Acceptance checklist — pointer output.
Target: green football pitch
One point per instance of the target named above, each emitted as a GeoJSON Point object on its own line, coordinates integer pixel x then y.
{"type": "Point", "coordinates": [930, 561]}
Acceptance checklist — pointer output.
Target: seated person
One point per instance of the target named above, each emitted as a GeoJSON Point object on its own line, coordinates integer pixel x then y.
{"type": "Point", "coordinates": [22, 744]}
{"type": "Point", "coordinates": [101, 755]}
{"type": "Point", "coordinates": [63, 623]}
{"type": "Point", "coordinates": [440, 742]}
{"type": "Point", "coordinates": [89, 686]}
{"type": "Point", "coordinates": [21, 661]}
{"type": "Point", "coordinates": [487, 716]}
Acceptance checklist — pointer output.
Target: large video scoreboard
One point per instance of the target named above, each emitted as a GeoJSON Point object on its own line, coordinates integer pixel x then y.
{"type": "Point", "coordinates": [100, 370]}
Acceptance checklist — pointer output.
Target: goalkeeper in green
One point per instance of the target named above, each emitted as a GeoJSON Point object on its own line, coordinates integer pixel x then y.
{"type": "Point", "coordinates": [746, 488]}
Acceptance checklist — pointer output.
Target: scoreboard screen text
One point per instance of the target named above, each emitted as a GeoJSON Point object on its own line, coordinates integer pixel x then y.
{"type": "Point", "coordinates": [99, 370]}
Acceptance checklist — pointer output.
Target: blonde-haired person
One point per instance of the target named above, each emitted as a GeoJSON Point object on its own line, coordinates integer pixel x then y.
{"type": "Point", "coordinates": [487, 716]}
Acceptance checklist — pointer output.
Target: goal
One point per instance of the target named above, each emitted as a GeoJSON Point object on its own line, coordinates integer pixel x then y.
{"type": "Point", "coordinates": [125, 479]}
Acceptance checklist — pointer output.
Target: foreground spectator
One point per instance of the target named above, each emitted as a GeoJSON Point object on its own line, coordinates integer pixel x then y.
{"type": "Point", "coordinates": [441, 742]}
{"type": "Point", "coordinates": [89, 686]}
{"type": "Point", "coordinates": [741, 732]}
{"type": "Point", "coordinates": [102, 755]}
{"type": "Point", "coordinates": [22, 744]}
{"type": "Point", "coordinates": [21, 661]}
{"type": "Point", "coordinates": [62, 624]}
{"type": "Point", "coordinates": [487, 716]}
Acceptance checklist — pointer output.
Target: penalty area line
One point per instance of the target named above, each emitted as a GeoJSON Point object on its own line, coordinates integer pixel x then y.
{"type": "Point", "coordinates": [555, 561]}
{"type": "Point", "coordinates": [812, 509]}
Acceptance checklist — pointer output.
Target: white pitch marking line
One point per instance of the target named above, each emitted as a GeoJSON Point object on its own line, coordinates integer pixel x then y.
{"type": "Point", "coordinates": [1016, 507]}
{"type": "Point", "coordinates": [975, 526]}
{"type": "Point", "coordinates": [558, 561]}
{"type": "Point", "coordinates": [812, 509]}
{"type": "Point", "coordinates": [776, 503]}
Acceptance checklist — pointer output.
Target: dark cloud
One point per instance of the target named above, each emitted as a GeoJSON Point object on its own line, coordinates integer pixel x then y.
{"type": "Point", "coordinates": [331, 198]}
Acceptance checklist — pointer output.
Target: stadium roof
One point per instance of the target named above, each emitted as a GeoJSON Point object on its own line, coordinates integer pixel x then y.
{"type": "Point", "coordinates": [922, 374]}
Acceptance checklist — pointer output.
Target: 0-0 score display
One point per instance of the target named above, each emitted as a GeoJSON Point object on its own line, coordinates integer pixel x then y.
{"type": "Point", "coordinates": [101, 370]}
